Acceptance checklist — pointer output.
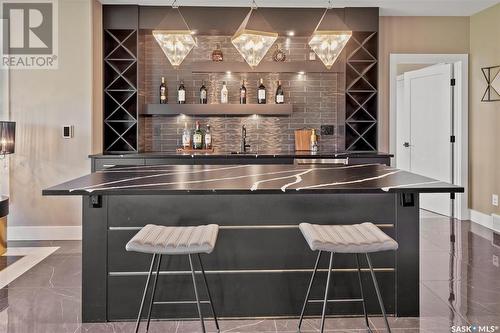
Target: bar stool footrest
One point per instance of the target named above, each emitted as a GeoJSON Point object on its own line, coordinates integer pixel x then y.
{"type": "Point", "coordinates": [180, 302]}
{"type": "Point", "coordinates": [339, 300]}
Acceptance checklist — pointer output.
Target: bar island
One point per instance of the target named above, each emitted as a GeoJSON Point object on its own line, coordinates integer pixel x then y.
{"type": "Point", "coordinates": [261, 265]}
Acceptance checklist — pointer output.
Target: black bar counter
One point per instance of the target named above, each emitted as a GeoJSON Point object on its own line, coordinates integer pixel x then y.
{"type": "Point", "coordinates": [261, 264]}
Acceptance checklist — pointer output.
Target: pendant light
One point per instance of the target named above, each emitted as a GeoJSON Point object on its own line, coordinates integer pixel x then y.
{"type": "Point", "coordinates": [326, 41]}
{"type": "Point", "coordinates": [254, 37]}
{"type": "Point", "coordinates": [176, 44]}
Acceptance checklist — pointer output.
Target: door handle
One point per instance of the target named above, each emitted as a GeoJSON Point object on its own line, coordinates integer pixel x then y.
{"type": "Point", "coordinates": [406, 144]}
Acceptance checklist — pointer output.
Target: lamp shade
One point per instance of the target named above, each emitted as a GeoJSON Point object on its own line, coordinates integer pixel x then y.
{"type": "Point", "coordinates": [7, 137]}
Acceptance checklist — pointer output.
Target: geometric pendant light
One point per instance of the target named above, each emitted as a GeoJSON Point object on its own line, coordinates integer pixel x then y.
{"type": "Point", "coordinates": [328, 44]}
{"type": "Point", "coordinates": [176, 44]}
{"type": "Point", "coordinates": [254, 38]}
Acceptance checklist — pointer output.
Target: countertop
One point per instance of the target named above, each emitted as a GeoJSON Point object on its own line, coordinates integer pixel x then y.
{"type": "Point", "coordinates": [248, 179]}
{"type": "Point", "coordinates": [258, 154]}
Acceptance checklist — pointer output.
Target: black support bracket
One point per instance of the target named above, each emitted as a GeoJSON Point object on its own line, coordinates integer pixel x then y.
{"type": "Point", "coordinates": [407, 199]}
{"type": "Point", "coordinates": [95, 201]}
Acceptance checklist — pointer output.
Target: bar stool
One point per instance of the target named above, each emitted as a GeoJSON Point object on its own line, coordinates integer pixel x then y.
{"type": "Point", "coordinates": [161, 240]}
{"type": "Point", "coordinates": [356, 239]}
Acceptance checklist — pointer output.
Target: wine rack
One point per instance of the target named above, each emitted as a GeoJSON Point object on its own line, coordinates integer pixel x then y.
{"type": "Point", "coordinates": [120, 91]}
{"type": "Point", "coordinates": [361, 92]}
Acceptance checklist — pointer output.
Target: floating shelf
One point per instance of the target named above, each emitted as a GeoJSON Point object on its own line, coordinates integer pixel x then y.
{"type": "Point", "coordinates": [218, 109]}
{"type": "Point", "coordinates": [314, 66]}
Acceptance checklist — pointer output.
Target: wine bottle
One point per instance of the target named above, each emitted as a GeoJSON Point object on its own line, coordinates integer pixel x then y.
{"type": "Point", "coordinates": [181, 93]}
{"type": "Point", "coordinates": [314, 141]}
{"type": "Point", "coordinates": [243, 93]}
{"type": "Point", "coordinates": [186, 137]}
{"type": "Point", "coordinates": [280, 95]}
{"type": "Point", "coordinates": [163, 91]}
{"type": "Point", "coordinates": [208, 138]}
{"type": "Point", "coordinates": [261, 93]}
{"type": "Point", "coordinates": [197, 137]}
{"type": "Point", "coordinates": [203, 93]}
{"type": "Point", "coordinates": [224, 93]}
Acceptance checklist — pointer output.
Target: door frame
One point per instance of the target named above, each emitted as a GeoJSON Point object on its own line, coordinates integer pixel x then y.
{"type": "Point", "coordinates": [461, 115]}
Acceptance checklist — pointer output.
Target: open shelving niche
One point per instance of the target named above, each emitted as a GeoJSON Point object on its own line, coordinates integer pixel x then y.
{"type": "Point", "coordinates": [361, 92]}
{"type": "Point", "coordinates": [120, 91]}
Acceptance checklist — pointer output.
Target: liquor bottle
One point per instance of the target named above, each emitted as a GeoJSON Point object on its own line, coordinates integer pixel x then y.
{"type": "Point", "coordinates": [208, 138]}
{"type": "Point", "coordinates": [243, 93]}
{"type": "Point", "coordinates": [197, 137]}
{"type": "Point", "coordinates": [261, 93]}
{"type": "Point", "coordinates": [224, 93]}
{"type": "Point", "coordinates": [181, 93]}
{"type": "Point", "coordinates": [203, 93]}
{"type": "Point", "coordinates": [163, 91]}
{"type": "Point", "coordinates": [186, 137]}
{"type": "Point", "coordinates": [280, 95]}
{"type": "Point", "coordinates": [314, 141]}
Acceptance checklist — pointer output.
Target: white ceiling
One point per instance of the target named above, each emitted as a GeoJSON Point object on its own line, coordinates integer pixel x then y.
{"type": "Point", "coordinates": [387, 7]}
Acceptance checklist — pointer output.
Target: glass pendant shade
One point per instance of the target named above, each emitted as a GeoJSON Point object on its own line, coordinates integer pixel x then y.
{"type": "Point", "coordinates": [252, 44]}
{"type": "Point", "coordinates": [176, 44]}
{"type": "Point", "coordinates": [328, 45]}
{"type": "Point", "coordinates": [7, 137]}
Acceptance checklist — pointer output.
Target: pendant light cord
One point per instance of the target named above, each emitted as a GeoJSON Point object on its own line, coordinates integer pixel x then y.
{"type": "Point", "coordinates": [176, 6]}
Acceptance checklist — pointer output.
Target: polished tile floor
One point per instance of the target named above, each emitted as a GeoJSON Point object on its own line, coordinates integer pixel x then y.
{"type": "Point", "coordinates": [460, 285]}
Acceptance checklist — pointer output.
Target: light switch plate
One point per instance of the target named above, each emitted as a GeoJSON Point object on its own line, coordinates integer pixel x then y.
{"type": "Point", "coordinates": [67, 131]}
{"type": "Point", "coordinates": [312, 56]}
{"type": "Point", "coordinates": [494, 199]}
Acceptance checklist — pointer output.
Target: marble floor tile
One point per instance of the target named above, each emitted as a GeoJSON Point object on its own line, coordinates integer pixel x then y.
{"type": "Point", "coordinates": [459, 286]}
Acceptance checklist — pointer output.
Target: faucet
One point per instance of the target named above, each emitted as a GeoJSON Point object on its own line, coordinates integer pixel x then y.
{"type": "Point", "coordinates": [243, 140]}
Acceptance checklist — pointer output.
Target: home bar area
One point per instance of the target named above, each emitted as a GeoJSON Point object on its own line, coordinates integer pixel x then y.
{"type": "Point", "coordinates": [203, 125]}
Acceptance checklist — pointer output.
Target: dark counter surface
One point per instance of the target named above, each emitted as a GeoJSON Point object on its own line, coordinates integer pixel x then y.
{"type": "Point", "coordinates": [246, 179]}
{"type": "Point", "coordinates": [258, 154]}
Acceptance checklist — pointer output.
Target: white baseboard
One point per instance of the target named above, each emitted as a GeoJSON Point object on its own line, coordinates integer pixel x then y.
{"type": "Point", "coordinates": [482, 219]}
{"type": "Point", "coordinates": [44, 233]}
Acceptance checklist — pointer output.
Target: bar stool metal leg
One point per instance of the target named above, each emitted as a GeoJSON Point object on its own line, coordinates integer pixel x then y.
{"type": "Point", "coordinates": [309, 289]}
{"type": "Point", "coordinates": [144, 294]}
{"type": "Point", "coordinates": [196, 294]}
{"type": "Point", "coordinates": [325, 301]}
{"type": "Point", "coordinates": [208, 292]}
{"type": "Point", "coordinates": [379, 296]}
{"type": "Point", "coordinates": [153, 292]}
{"type": "Point", "coordinates": [362, 293]}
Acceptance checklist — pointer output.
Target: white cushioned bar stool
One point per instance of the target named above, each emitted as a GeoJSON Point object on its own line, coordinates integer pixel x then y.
{"type": "Point", "coordinates": [161, 240]}
{"type": "Point", "coordinates": [356, 239]}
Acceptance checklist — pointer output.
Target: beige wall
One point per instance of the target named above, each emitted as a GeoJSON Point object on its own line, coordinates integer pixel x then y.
{"type": "Point", "coordinates": [484, 118]}
{"type": "Point", "coordinates": [414, 35]}
{"type": "Point", "coordinates": [97, 88]}
{"type": "Point", "coordinates": [41, 102]}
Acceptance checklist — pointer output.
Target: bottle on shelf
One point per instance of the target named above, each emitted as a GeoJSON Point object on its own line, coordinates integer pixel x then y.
{"type": "Point", "coordinates": [203, 93]}
{"type": "Point", "coordinates": [181, 93]}
{"type": "Point", "coordinates": [163, 91]}
{"type": "Point", "coordinates": [243, 93]}
{"type": "Point", "coordinates": [208, 138]}
{"type": "Point", "coordinates": [280, 95]}
{"type": "Point", "coordinates": [197, 137]}
{"type": "Point", "coordinates": [314, 141]}
{"type": "Point", "coordinates": [261, 93]}
{"type": "Point", "coordinates": [186, 137]}
{"type": "Point", "coordinates": [224, 94]}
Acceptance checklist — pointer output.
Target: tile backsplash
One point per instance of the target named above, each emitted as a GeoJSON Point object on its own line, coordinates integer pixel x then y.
{"type": "Point", "coordinates": [317, 98]}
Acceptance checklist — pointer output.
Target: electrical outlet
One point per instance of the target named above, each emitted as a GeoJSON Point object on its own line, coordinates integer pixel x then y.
{"type": "Point", "coordinates": [312, 55]}
{"type": "Point", "coordinates": [494, 199]}
{"type": "Point", "coordinates": [327, 130]}
{"type": "Point", "coordinates": [495, 261]}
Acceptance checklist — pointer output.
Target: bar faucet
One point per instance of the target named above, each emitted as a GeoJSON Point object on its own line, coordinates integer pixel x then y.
{"type": "Point", "coordinates": [243, 141]}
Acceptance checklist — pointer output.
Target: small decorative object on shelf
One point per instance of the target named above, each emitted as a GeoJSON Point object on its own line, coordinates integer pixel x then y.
{"type": "Point", "coordinates": [224, 93]}
{"type": "Point", "coordinates": [261, 93]}
{"type": "Point", "coordinates": [280, 95]}
{"type": "Point", "coordinates": [163, 91]}
{"type": "Point", "coordinates": [203, 93]}
{"type": "Point", "coordinates": [217, 55]}
{"type": "Point", "coordinates": [279, 55]}
{"type": "Point", "coordinates": [243, 93]}
{"type": "Point", "coordinates": [492, 76]}
{"type": "Point", "coordinates": [208, 138]}
{"type": "Point", "coordinates": [181, 94]}
{"type": "Point", "coordinates": [314, 141]}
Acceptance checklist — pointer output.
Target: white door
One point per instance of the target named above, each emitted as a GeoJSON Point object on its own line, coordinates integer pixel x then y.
{"type": "Point", "coordinates": [428, 108]}
{"type": "Point", "coordinates": [403, 125]}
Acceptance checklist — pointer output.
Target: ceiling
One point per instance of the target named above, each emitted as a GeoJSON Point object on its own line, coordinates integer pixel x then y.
{"type": "Point", "coordinates": [387, 7]}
